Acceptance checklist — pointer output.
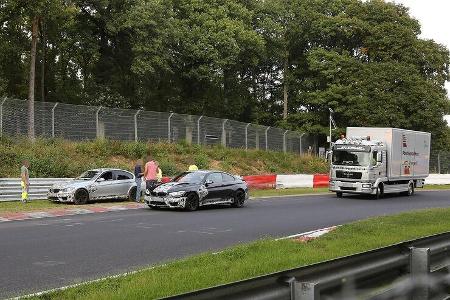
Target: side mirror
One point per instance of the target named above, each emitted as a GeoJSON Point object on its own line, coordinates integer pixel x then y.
{"type": "Point", "coordinates": [208, 182]}
{"type": "Point", "coordinates": [101, 179]}
{"type": "Point", "coordinates": [379, 157]}
{"type": "Point", "coordinates": [328, 155]}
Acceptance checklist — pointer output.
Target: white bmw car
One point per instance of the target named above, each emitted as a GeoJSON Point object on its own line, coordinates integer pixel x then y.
{"type": "Point", "coordinates": [95, 184]}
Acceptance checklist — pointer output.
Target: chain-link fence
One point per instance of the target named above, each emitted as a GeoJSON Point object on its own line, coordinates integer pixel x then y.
{"type": "Point", "coordinates": [80, 122]}
{"type": "Point", "coordinates": [440, 162]}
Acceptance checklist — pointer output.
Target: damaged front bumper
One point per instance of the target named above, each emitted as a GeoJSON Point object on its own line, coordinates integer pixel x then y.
{"type": "Point", "coordinates": [165, 202]}
{"type": "Point", "coordinates": [61, 196]}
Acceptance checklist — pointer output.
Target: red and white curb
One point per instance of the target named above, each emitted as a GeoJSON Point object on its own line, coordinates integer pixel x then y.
{"type": "Point", "coordinates": [52, 213]}
{"type": "Point", "coordinates": [309, 235]}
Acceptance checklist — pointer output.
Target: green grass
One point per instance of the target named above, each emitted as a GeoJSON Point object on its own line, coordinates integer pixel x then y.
{"type": "Point", "coordinates": [436, 187]}
{"type": "Point", "coordinates": [36, 205]}
{"type": "Point", "coordinates": [261, 257]}
{"type": "Point", "coordinates": [62, 158]}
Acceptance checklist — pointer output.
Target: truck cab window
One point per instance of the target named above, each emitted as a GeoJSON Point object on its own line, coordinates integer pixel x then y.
{"type": "Point", "coordinates": [374, 158]}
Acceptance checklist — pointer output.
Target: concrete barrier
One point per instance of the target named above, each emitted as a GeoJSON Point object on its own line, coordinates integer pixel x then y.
{"type": "Point", "coordinates": [295, 181]}
{"type": "Point", "coordinates": [435, 179]}
{"type": "Point", "coordinates": [261, 181]}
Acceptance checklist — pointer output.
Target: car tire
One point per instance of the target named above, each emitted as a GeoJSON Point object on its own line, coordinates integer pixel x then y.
{"type": "Point", "coordinates": [339, 194]}
{"type": "Point", "coordinates": [132, 194]}
{"type": "Point", "coordinates": [81, 197]}
{"type": "Point", "coordinates": [239, 199]}
{"type": "Point", "coordinates": [191, 202]}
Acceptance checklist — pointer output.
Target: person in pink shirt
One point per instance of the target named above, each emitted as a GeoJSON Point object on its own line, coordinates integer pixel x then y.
{"type": "Point", "coordinates": [150, 173]}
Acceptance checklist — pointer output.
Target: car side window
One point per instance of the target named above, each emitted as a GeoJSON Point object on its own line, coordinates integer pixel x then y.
{"type": "Point", "coordinates": [215, 178]}
{"type": "Point", "coordinates": [123, 175]}
{"type": "Point", "coordinates": [107, 176]}
{"type": "Point", "coordinates": [227, 178]}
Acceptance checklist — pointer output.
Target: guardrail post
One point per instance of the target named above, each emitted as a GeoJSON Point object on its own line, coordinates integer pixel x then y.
{"type": "Point", "coordinates": [284, 141]}
{"type": "Point", "coordinates": [53, 119]}
{"type": "Point", "coordinates": [97, 121]}
{"type": "Point", "coordinates": [198, 130]}
{"type": "Point", "coordinates": [303, 290]}
{"type": "Point", "coordinates": [135, 125]}
{"type": "Point", "coordinates": [224, 135]}
{"type": "Point", "coordinates": [246, 136]}
{"type": "Point", "coordinates": [168, 127]}
{"type": "Point", "coordinates": [439, 163]}
{"type": "Point", "coordinates": [420, 269]}
{"type": "Point", "coordinates": [267, 144]}
{"type": "Point", "coordinates": [1, 116]}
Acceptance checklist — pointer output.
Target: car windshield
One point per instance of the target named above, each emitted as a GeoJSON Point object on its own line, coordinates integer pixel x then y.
{"type": "Point", "coordinates": [190, 177]}
{"type": "Point", "coordinates": [88, 175]}
{"type": "Point", "coordinates": [351, 158]}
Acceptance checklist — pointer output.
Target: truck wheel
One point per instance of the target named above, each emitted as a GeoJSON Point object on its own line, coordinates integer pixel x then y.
{"type": "Point", "coordinates": [339, 194]}
{"type": "Point", "coordinates": [379, 192]}
{"type": "Point", "coordinates": [410, 191]}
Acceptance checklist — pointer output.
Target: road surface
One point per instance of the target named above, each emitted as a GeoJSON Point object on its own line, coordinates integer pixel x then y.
{"type": "Point", "coordinates": [41, 254]}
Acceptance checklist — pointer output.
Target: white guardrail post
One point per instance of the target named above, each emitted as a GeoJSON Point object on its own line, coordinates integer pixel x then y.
{"type": "Point", "coordinates": [1, 116]}
{"type": "Point", "coordinates": [198, 130]}
{"type": "Point", "coordinates": [168, 127]}
{"type": "Point", "coordinates": [135, 125]}
{"type": "Point", "coordinates": [284, 141]}
{"type": "Point", "coordinates": [419, 270]}
{"type": "Point", "coordinates": [246, 136]}
{"type": "Point", "coordinates": [53, 119]}
{"type": "Point", "coordinates": [300, 150]}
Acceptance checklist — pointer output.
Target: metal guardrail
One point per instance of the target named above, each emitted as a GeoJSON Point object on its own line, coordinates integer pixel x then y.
{"type": "Point", "coordinates": [416, 270]}
{"type": "Point", "coordinates": [11, 190]}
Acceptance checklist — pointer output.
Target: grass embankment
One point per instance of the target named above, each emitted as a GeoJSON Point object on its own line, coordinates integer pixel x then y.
{"type": "Point", "coordinates": [61, 158]}
{"type": "Point", "coordinates": [261, 257]}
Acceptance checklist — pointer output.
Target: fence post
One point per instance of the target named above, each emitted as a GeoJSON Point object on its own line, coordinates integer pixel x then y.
{"type": "Point", "coordinates": [224, 136]}
{"type": "Point", "coordinates": [168, 126]}
{"type": "Point", "coordinates": [135, 125]}
{"type": "Point", "coordinates": [420, 269]}
{"type": "Point", "coordinates": [97, 121]}
{"type": "Point", "coordinates": [439, 162]}
{"type": "Point", "coordinates": [300, 150]}
{"type": "Point", "coordinates": [246, 136]}
{"type": "Point", "coordinates": [53, 119]}
{"type": "Point", "coordinates": [284, 141]}
{"type": "Point", "coordinates": [267, 144]}
{"type": "Point", "coordinates": [198, 130]}
{"type": "Point", "coordinates": [1, 116]}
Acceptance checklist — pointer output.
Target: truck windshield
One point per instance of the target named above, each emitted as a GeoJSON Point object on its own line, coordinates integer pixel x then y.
{"type": "Point", "coordinates": [351, 158]}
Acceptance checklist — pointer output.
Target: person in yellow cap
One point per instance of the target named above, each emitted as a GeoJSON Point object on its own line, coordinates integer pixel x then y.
{"type": "Point", "coordinates": [25, 180]}
{"type": "Point", "coordinates": [193, 168]}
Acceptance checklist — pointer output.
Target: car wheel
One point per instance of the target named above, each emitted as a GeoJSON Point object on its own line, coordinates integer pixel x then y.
{"type": "Point", "coordinates": [239, 199]}
{"type": "Point", "coordinates": [81, 197]}
{"type": "Point", "coordinates": [191, 202]}
{"type": "Point", "coordinates": [339, 194]}
{"type": "Point", "coordinates": [132, 194]}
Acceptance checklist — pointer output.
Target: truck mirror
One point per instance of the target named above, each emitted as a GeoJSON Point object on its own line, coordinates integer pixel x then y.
{"type": "Point", "coordinates": [379, 157]}
{"type": "Point", "coordinates": [328, 155]}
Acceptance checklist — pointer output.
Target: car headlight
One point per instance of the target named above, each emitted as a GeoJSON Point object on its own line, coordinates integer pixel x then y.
{"type": "Point", "coordinates": [177, 194]}
{"type": "Point", "coordinates": [147, 192]}
{"type": "Point", "coordinates": [67, 190]}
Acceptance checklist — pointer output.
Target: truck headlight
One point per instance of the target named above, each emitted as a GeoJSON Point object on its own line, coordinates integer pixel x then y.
{"type": "Point", "coordinates": [366, 185]}
{"type": "Point", "coordinates": [177, 194]}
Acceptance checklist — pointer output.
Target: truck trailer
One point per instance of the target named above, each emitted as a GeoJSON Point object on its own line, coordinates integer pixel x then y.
{"type": "Point", "coordinates": [379, 161]}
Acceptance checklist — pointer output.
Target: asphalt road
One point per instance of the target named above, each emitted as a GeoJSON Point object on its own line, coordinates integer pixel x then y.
{"type": "Point", "coordinates": [37, 255]}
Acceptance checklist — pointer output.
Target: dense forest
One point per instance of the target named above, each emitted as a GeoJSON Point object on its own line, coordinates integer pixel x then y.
{"type": "Point", "coordinates": [274, 62]}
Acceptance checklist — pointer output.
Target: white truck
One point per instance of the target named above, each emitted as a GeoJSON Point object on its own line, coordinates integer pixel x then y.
{"type": "Point", "coordinates": [378, 161]}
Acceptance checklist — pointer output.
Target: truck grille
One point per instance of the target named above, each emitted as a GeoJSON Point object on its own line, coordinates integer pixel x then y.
{"type": "Point", "coordinates": [348, 174]}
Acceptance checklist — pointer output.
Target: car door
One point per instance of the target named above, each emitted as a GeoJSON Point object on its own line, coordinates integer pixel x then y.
{"type": "Point", "coordinates": [124, 181]}
{"type": "Point", "coordinates": [103, 185]}
{"type": "Point", "coordinates": [228, 186]}
{"type": "Point", "coordinates": [213, 184]}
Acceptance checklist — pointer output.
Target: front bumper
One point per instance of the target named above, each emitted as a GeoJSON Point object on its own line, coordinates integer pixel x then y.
{"type": "Point", "coordinates": [165, 202]}
{"type": "Point", "coordinates": [352, 187]}
{"type": "Point", "coordinates": [61, 196]}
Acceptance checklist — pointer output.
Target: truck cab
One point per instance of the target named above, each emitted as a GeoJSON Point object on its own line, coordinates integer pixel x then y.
{"type": "Point", "coordinates": [357, 166]}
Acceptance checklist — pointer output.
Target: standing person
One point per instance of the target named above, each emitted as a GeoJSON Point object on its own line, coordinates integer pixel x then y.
{"type": "Point", "coordinates": [138, 178]}
{"type": "Point", "coordinates": [150, 172]}
{"type": "Point", "coordinates": [25, 180]}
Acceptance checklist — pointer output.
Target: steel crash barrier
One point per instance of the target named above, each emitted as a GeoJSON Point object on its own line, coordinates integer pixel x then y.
{"type": "Point", "coordinates": [416, 270]}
